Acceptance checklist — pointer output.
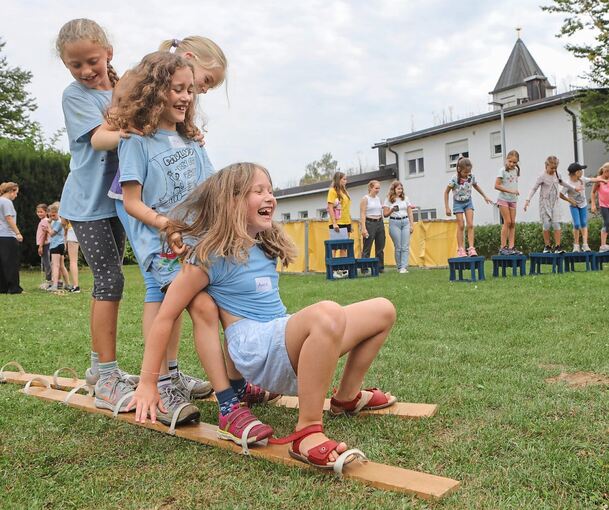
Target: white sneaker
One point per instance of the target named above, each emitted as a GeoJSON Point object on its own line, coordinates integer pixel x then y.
{"type": "Point", "coordinates": [576, 248]}
{"type": "Point", "coordinates": [338, 275]}
{"type": "Point", "coordinates": [52, 288]}
{"type": "Point", "coordinates": [585, 247]}
{"type": "Point", "coordinates": [604, 248]}
{"type": "Point", "coordinates": [403, 270]}
{"type": "Point", "coordinates": [45, 285]}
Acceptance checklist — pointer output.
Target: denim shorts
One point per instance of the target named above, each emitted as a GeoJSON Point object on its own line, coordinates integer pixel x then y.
{"type": "Point", "coordinates": [258, 351]}
{"type": "Point", "coordinates": [460, 207]}
{"type": "Point", "coordinates": [164, 268]}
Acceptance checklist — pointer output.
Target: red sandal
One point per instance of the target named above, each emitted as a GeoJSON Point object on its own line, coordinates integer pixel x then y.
{"type": "Point", "coordinates": [318, 455]}
{"type": "Point", "coordinates": [378, 400]}
{"type": "Point", "coordinates": [256, 395]}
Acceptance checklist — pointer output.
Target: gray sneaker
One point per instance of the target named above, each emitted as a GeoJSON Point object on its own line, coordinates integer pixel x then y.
{"type": "Point", "coordinates": [112, 391]}
{"type": "Point", "coordinates": [174, 402]}
{"type": "Point", "coordinates": [191, 387]}
{"type": "Point", "coordinates": [92, 378]}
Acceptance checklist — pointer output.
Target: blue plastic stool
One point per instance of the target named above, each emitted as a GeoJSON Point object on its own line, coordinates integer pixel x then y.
{"type": "Point", "coordinates": [599, 259]}
{"type": "Point", "coordinates": [516, 262]}
{"type": "Point", "coordinates": [461, 264]}
{"type": "Point", "coordinates": [553, 259]}
{"type": "Point", "coordinates": [371, 264]}
{"type": "Point", "coordinates": [340, 263]}
{"type": "Point", "coordinates": [585, 256]}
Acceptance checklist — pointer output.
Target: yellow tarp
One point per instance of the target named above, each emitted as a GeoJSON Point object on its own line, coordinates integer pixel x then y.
{"type": "Point", "coordinates": [431, 244]}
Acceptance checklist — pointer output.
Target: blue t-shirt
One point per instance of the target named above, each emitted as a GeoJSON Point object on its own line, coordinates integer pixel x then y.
{"type": "Point", "coordinates": [168, 167]}
{"type": "Point", "coordinates": [58, 238]}
{"type": "Point", "coordinates": [249, 290]}
{"type": "Point", "coordinates": [84, 196]}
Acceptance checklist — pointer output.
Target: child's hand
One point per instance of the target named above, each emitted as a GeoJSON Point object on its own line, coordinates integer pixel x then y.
{"type": "Point", "coordinates": [40, 249]}
{"type": "Point", "coordinates": [526, 205]}
{"type": "Point", "coordinates": [176, 244]}
{"type": "Point", "coordinates": [145, 401]}
{"type": "Point", "coordinates": [593, 208]}
{"type": "Point", "coordinates": [126, 133]}
{"type": "Point", "coordinates": [200, 138]}
{"type": "Point", "coordinates": [573, 202]}
{"type": "Point", "coordinates": [448, 212]}
{"type": "Point", "coordinates": [488, 201]}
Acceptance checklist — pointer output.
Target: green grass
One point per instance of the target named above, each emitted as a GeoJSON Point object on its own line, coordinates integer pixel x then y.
{"type": "Point", "coordinates": [480, 351]}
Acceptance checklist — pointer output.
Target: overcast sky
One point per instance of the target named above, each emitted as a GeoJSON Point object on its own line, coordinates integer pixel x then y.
{"type": "Point", "coordinates": [307, 77]}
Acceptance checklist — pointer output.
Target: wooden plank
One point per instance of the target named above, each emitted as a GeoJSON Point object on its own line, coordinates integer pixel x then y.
{"type": "Point", "coordinates": [381, 476]}
{"type": "Point", "coordinates": [404, 410]}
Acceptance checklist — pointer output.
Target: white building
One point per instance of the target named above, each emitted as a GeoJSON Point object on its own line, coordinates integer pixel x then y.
{"type": "Point", "coordinates": [537, 124]}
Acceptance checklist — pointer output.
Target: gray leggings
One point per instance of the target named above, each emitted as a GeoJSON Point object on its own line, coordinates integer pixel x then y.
{"type": "Point", "coordinates": [605, 215]}
{"type": "Point", "coordinates": [102, 243]}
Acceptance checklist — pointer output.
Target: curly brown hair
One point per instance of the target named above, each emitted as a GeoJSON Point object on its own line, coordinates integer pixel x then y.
{"type": "Point", "coordinates": [141, 95]}
{"type": "Point", "coordinates": [215, 214]}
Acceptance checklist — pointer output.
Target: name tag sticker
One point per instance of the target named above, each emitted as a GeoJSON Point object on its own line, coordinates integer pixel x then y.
{"type": "Point", "coordinates": [176, 142]}
{"type": "Point", "coordinates": [263, 284]}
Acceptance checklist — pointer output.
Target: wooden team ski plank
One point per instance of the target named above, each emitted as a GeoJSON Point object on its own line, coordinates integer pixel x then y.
{"type": "Point", "coordinates": [402, 409]}
{"type": "Point", "coordinates": [381, 476]}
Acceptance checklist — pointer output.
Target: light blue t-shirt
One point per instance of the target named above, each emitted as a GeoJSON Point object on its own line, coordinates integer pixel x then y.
{"type": "Point", "coordinates": [7, 209]}
{"type": "Point", "coordinates": [509, 180]}
{"type": "Point", "coordinates": [58, 238]}
{"type": "Point", "coordinates": [85, 192]}
{"type": "Point", "coordinates": [249, 290]}
{"type": "Point", "coordinates": [168, 167]}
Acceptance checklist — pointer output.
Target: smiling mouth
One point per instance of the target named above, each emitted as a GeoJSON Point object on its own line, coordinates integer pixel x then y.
{"type": "Point", "coordinates": [265, 211]}
{"type": "Point", "coordinates": [181, 108]}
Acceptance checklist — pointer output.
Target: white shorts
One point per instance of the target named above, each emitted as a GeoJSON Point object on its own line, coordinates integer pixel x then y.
{"type": "Point", "coordinates": [71, 236]}
{"type": "Point", "coordinates": [258, 351]}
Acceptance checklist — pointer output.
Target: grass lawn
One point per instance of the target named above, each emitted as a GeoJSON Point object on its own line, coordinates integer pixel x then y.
{"type": "Point", "coordinates": [482, 352]}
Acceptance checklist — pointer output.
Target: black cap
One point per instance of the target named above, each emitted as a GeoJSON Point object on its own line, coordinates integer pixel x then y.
{"type": "Point", "coordinates": [574, 167]}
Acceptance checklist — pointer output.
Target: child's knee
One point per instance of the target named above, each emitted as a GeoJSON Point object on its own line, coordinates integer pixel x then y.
{"type": "Point", "coordinates": [203, 308]}
{"type": "Point", "coordinates": [330, 319]}
{"type": "Point", "coordinates": [109, 287]}
{"type": "Point", "coordinates": [385, 311]}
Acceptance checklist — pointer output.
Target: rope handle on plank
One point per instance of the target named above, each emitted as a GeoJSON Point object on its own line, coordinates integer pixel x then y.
{"type": "Point", "coordinates": [45, 383]}
{"type": "Point", "coordinates": [75, 390]}
{"type": "Point", "coordinates": [340, 462]}
{"type": "Point", "coordinates": [10, 364]}
{"type": "Point", "coordinates": [62, 369]}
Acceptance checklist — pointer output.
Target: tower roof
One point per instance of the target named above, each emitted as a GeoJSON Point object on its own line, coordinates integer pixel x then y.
{"type": "Point", "coordinates": [519, 66]}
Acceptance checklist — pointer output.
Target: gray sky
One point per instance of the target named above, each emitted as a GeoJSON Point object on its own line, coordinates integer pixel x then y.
{"type": "Point", "coordinates": [307, 77]}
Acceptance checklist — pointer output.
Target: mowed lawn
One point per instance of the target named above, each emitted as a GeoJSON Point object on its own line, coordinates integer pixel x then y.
{"type": "Point", "coordinates": [482, 352]}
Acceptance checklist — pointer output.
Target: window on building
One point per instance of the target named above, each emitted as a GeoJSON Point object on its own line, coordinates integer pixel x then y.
{"type": "Point", "coordinates": [322, 214]}
{"type": "Point", "coordinates": [495, 144]}
{"type": "Point", "coordinates": [424, 214]}
{"type": "Point", "coordinates": [415, 163]}
{"type": "Point", "coordinates": [285, 216]}
{"type": "Point", "coordinates": [453, 151]}
{"type": "Point", "coordinates": [303, 215]}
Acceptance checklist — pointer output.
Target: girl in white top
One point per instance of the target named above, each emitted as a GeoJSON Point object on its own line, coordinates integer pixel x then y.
{"type": "Point", "coordinates": [398, 208]}
{"type": "Point", "coordinates": [373, 226]}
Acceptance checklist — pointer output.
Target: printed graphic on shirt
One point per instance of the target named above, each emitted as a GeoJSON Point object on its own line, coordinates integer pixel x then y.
{"type": "Point", "coordinates": [179, 169]}
{"type": "Point", "coordinates": [263, 284]}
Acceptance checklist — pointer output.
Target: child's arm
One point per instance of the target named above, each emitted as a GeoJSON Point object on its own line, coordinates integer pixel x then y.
{"type": "Point", "coordinates": [105, 138]}
{"type": "Point", "coordinates": [567, 199]}
{"type": "Point", "coordinates": [446, 192]}
{"type": "Point", "coordinates": [532, 192]}
{"type": "Point", "coordinates": [190, 281]}
{"type": "Point", "coordinates": [410, 218]}
{"type": "Point", "coordinates": [486, 199]}
{"type": "Point", "coordinates": [593, 197]}
{"type": "Point", "coordinates": [132, 198]}
{"type": "Point", "coordinates": [362, 216]}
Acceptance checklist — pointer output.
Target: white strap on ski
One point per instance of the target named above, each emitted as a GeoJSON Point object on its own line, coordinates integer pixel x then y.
{"type": "Point", "coordinates": [62, 369]}
{"type": "Point", "coordinates": [10, 364]}
{"type": "Point", "coordinates": [245, 435]}
{"type": "Point", "coordinates": [174, 420]}
{"type": "Point", "coordinates": [340, 462]}
{"type": "Point", "coordinates": [75, 390]}
{"type": "Point", "coordinates": [121, 401]}
{"type": "Point", "coordinates": [44, 381]}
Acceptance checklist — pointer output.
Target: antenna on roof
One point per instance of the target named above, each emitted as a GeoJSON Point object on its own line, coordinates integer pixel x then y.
{"type": "Point", "coordinates": [518, 29]}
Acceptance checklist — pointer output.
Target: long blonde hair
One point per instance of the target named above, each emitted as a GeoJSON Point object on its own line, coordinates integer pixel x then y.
{"type": "Point", "coordinates": [141, 96]}
{"type": "Point", "coordinates": [215, 213]}
{"type": "Point", "coordinates": [85, 29]}
{"type": "Point", "coordinates": [392, 195]}
{"type": "Point", "coordinates": [8, 187]}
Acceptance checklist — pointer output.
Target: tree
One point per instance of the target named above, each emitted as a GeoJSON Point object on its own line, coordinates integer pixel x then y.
{"type": "Point", "coordinates": [590, 15]}
{"type": "Point", "coordinates": [16, 103]}
{"type": "Point", "coordinates": [321, 170]}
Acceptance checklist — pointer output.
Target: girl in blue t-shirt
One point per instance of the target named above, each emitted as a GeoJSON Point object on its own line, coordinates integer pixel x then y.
{"type": "Point", "coordinates": [463, 205]}
{"type": "Point", "coordinates": [234, 259]}
{"type": "Point", "coordinates": [86, 52]}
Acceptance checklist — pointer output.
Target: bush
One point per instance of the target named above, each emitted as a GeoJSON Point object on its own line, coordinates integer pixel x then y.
{"type": "Point", "coordinates": [529, 237]}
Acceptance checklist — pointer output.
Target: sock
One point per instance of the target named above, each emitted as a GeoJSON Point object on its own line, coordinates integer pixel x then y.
{"type": "Point", "coordinates": [238, 386]}
{"type": "Point", "coordinates": [172, 365]}
{"type": "Point", "coordinates": [164, 380]}
{"type": "Point", "coordinates": [105, 369]}
{"type": "Point", "coordinates": [227, 399]}
{"type": "Point", "coordinates": [94, 362]}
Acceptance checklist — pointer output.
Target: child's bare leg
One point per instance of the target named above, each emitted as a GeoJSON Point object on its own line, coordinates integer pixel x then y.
{"type": "Point", "coordinates": [557, 235]}
{"type": "Point", "coordinates": [313, 339]}
{"type": "Point", "coordinates": [150, 311]}
{"type": "Point", "coordinates": [576, 236]}
{"type": "Point", "coordinates": [469, 217]}
{"type": "Point", "coordinates": [460, 228]}
{"type": "Point", "coordinates": [55, 268]}
{"type": "Point", "coordinates": [546, 238]}
{"type": "Point", "coordinates": [64, 272]}
{"type": "Point", "coordinates": [73, 256]}
{"type": "Point", "coordinates": [368, 324]}
{"type": "Point", "coordinates": [505, 216]}
{"type": "Point", "coordinates": [512, 228]}
{"type": "Point", "coordinates": [584, 235]}
{"type": "Point", "coordinates": [204, 314]}
{"type": "Point", "coordinates": [104, 316]}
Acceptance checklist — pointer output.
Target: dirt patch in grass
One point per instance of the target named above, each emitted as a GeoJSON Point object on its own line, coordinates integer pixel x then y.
{"type": "Point", "coordinates": [580, 379]}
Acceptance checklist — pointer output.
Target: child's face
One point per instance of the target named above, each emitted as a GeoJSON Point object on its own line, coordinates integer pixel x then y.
{"type": "Point", "coordinates": [343, 181]}
{"type": "Point", "coordinates": [605, 174]}
{"type": "Point", "coordinates": [260, 204]}
{"type": "Point", "coordinates": [399, 190]}
{"type": "Point", "coordinates": [374, 191]}
{"type": "Point", "coordinates": [206, 79]}
{"type": "Point", "coordinates": [464, 172]}
{"type": "Point", "coordinates": [87, 62]}
{"type": "Point", "coordinates": [511, 162]}
{"type": "Point", "coordinates": [54, 215]}
{"type": "Point", "coordinates": [551, 168]}
{"type": "Point", "coordinates": [577, 175]}
{"type": "Point", "coordinates": [179, 97]}
{"type": "Point", "coordinates": [41, 213]}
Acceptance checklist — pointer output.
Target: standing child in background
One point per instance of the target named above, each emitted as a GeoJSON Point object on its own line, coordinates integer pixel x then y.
{"type": "Point", "coordinates": [157, 171]}
{"type": "Point", "coordinates": [86, 52]}
{"type": "Point", "coordinates": [574, 191]}
{"type": "Point", "coordinates": [42, 242]}
{"type": "Point", "coordinates": [463, 205]}
{"type": "Point", "coordinates": [57, 249]}
{"type": "Point", "coordinates": [339, 212]}
{"type": "Point", "coordinates": [401, 223]}
{"type": "Point", "coordinates": [601, 189]}
{"type": "Point", "coordinates": [231, 217]}
{"type": "Point", "coordinates": [72, 249]}
{"type": "Point", "coordinates": [373, 226]}
{"type": "Point", "coordinates": [507, 185]}
{"type": "Point", "coordinates": [549, 207]}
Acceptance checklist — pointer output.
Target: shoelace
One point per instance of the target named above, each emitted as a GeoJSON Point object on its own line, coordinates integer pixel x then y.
{"type": "Point", "coordinates": [170, 396]}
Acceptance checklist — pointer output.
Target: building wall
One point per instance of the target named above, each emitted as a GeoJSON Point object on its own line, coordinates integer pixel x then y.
{"type": "Point", "coordinates": [535, 135]}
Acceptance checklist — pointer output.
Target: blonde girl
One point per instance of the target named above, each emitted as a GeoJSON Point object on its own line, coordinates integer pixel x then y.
{"type": "Point", "coordinates": [463, 206]}
{"type": "Point", "coordinates": [339, 211]}
{"type": "Point", "coordinates": [86, 52]}
{"type": "Point", "coordinates": [507, 185]}
{"type": "Point", "coordinates": [401, 222]}
{"type": "Point", "coordinates": [42, 242]}
{"type": "Point", "coordinates": [72, 248]}
{"type": "Point", "coordinates": [600, 190]}
{"type": "Point", "coordinates": [373, 226]}
{"type": "Point", "coordinates": [237, 248]}
{"type": "Point", "coordinates": [57, 249]}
